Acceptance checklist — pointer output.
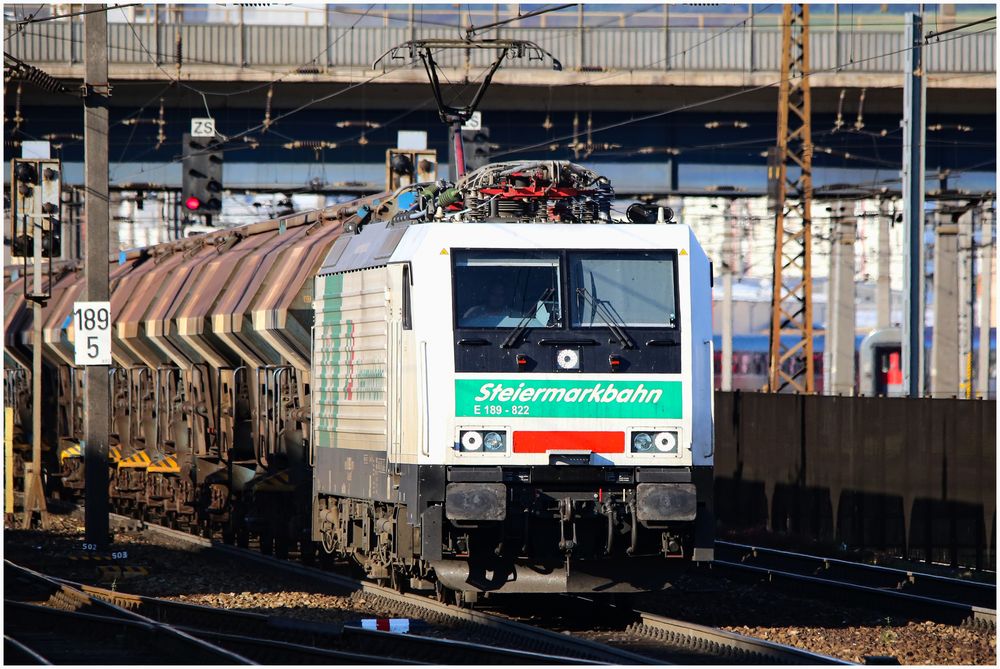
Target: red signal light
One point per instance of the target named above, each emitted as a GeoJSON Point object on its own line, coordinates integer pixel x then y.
{"type": "Point", "coordinates": [192, 203]}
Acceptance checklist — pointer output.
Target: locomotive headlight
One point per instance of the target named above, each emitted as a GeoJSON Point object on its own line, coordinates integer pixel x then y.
{"type": "Point", "coordinates": [568, 358]}
{"type": "Point", "coordinates": [471, 441]}
{"type": "Point", "coordinates": [493, 442]}
{"type": "Point", "coordinates": [642, 442]}
{"type": "Point", "coordinates": [665, 442]}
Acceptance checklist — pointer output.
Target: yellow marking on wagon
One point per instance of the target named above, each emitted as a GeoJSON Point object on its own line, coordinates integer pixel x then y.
{"type": "Point", "coordinates": [138, 460]}
{"type": "Point", "coordinates": [165, 465]}
{"type": "Point", "coordinates": [279, 482]}
{"type": "Point", "coordinates": [74, 451]}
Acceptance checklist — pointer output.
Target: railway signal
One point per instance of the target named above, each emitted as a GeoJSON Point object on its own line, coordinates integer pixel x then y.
{"type": "Point", "coordinates": [202, 176]}
{"type": "Point", "coordinates": [35, 197]}
{"type": "Point", "coordinates": [479, 147]}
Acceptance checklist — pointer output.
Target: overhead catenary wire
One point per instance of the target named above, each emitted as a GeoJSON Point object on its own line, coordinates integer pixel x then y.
{"type": "Point", "coordinates": [291, 112]}
{"type": "Point", "coordinates": [43, 19]}
{"type": "Point", "coordinates": [935, 35]}
{"type": "Point", "coordinates": [472, 30]}
{"type": "Point", "coordinates": [722, 98]}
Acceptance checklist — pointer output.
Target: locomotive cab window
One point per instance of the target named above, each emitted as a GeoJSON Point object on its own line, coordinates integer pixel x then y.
{"type": "Point", "coordinates": [630, 288]}
{"type": "Point", "coordinates": [500, 289]}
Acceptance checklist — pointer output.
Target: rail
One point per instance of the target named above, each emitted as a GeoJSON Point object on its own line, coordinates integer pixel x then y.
{"type": "Point", "coordinates": [35, 605]}
{"type": "Point", "coordinates": [531, 639]}
{"type": "Point", "coordinates": [714, 642]}
{"type": "Point", "coordinates": [940, 598]}
{"type": "Point", "coordinates": [258, 638]}
{"type": "Point", "coordinates": [746, 649]}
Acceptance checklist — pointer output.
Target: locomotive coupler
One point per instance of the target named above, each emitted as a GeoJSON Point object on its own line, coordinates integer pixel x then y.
{"type": "Point", "coordinates": [566, 513]}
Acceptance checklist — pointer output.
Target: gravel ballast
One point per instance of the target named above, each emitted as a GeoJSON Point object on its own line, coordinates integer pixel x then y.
{"type": "Point", "coordinates": [181, 571]}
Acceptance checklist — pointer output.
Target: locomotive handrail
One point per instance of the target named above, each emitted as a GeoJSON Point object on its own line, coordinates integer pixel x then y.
{"type": "Point", "coordinates": [277, 408]}
{"type": "Point", "coordinates": [311, 446]}
{"type": "Point", "coordinates": [711, 371]}
{"type": "Point", "coordinates": [424, 408]}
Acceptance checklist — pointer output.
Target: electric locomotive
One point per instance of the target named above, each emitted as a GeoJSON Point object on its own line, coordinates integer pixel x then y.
{"type": "Point", "coordinates": [485, 386]}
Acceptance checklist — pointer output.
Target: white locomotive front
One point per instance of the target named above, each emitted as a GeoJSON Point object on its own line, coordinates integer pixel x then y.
{"type": "Point", "coordinates": [501, 402]}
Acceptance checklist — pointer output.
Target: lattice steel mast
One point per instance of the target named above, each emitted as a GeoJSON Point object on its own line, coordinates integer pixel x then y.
{"type": "Point", "coordinates": [790, 175]}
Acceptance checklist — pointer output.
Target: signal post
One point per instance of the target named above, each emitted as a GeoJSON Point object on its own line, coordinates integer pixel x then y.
{"type": "Point", "coordinates": [35, 201]}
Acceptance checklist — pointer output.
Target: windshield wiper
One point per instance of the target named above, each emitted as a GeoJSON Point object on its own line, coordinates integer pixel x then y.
{"type": "Point", "coordinates": [515, 335]}
{"type": "Point", "coordinates": [617, 330]}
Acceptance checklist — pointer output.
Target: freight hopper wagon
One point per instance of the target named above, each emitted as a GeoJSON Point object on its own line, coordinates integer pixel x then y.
{"type": "Point", "coordinates": [476, 387]}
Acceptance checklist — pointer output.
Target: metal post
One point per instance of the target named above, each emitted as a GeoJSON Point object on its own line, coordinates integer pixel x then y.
{"type": "Point", "coordinates": [96, 418]}
{"type": "Point", "coordinates": [985, 302]}
{"type": "Point", "coordinates": [727, 328]}
{"type": "Point", "coordinates": [666, 36]}
{"type": "Point", "coordinates": [883, 290]}
{"type": "Point", "coordinates": [790, 362]}
{"type": "Point", "coordinates": [34, 492]}
{"type": "Point", "coordinates": [840, 303]}
{"type": "Point", "coordinates": [8, 462]}
{"type": "Point", "coordinates": [579, 37]}
{"type": "Point", "coordinates": [157, 56]}
{"type": "Point", "coordinates": [966, 301]}
{"type": "Point", "coordinates": [243, 39]}
{"type": "Point", "coordinates": [836, 34]}
{"type": "Point", "coordinates": [914, 116]}
{"type": "Point", "coordinates": [413, 28]}
{"type": "Point", "coordinates": [944, 344]}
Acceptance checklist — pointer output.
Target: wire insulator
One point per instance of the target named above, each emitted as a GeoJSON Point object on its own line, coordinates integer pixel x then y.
{"type": "Point", "coordinates": [267, 109]}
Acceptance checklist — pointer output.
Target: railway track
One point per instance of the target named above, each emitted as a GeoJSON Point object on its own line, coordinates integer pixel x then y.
{"type": "Point", "coordinates": [667, 639]}
{"type": "Point", "coordinates": [91, 631]}
{"type": "Point", "coordinates": [938, 598]}
{"type": "Point", "coordinates": [728, 646]}
{"type": "Point", "coordinates": [238, 636]}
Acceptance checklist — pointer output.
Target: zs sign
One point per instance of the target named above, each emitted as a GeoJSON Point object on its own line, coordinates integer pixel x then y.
{"type": "Point", "coordinates": [203, 127]}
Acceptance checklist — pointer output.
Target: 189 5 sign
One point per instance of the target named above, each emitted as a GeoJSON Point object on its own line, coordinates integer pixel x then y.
{"type": "Point", "coordinates": [92, 325]}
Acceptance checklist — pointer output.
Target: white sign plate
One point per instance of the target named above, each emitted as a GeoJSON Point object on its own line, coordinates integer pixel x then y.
{"type": "Point", "coordinates": [475, 122]}
{"type": "Point", "coordinates": [411, 140]}
{"type": "Point", "coordinates": [92, 326]}
{"type": "Point", "coordinates": [203, 127]}
{"type": "Point", "coordinates": [36, 149]}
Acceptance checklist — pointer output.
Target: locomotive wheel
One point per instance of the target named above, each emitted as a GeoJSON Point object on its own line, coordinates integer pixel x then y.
{"type": "Point", "coordinates": [228, 535]}
{"type": "Point", "coordinates": [441, 593]}
{"type": "Point", "coordinates": [398, 580]}
{"type": "Point", "coordinates": [267, 544]}
{"type": "Point", "coordinates": [242, 538]}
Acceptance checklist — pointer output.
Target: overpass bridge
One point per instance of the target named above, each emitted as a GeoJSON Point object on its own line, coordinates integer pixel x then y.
{"type": "Point", "coordinates": [647, 64]}
{"type": "Point", "coordinates": [716, 78]}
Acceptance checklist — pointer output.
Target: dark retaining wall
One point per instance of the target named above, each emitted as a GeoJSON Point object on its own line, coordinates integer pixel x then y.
{"type": "Point", "coordinates": [913, 477]}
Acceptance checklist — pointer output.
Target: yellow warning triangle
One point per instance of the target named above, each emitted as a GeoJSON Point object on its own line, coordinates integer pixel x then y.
{"type": "Point", "coordinates": [684, 252]}
{"type": "Point", "coordinates": [444, 252]}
